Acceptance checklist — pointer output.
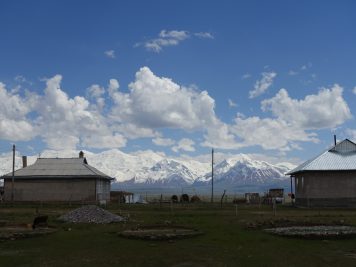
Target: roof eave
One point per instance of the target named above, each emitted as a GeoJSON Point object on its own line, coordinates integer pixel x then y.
{"type": "Point", "coordinates": [57, 176]}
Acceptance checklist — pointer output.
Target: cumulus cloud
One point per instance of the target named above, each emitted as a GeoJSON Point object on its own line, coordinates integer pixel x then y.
{"type": "Point", "coordinates": [132, 131]}
{"type": "Point", "coordinates": [68, 122]}
{"type": "Point", "coordinates": [327, 109]}
{"type": "Point", "coordinates": [262, 85]}
{"type": "Point", "coordinates": [163, 141]}
{"type": "Point", "coordinates": [220, 135]}
{"type": "Point", "coordinates": [270, 133]}
{"type": "Point", "coordinates": [14, 109]}
{"type": "Point", "coordinates": [157, 102]}
{"type": "Point", "coordinates": [293, 119]}
{"type": "Point", "coordinates": [110, 53]}
{"type": "Point", "coordinates": [96, 92]}
{"type": "Point", "coordinates": [153, 103]}
{"type": "Point", "coordinates": [184, 144]}
{"type": "Point", "coordinates": [104, 141]}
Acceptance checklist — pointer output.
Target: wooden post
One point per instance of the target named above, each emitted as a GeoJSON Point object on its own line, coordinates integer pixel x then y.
{"type": "Point", "coordinates": [222, 197]}
{"type": "Point", "coordinates": [13, 173]}
{"type": "Point", "coordinates": [212, 175]}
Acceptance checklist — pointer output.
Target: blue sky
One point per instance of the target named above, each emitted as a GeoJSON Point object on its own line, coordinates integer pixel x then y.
{"type": "Point", "coordinates": [274, 78]}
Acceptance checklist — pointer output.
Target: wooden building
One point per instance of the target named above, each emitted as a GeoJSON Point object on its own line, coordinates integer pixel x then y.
{"type": "Point", "coordinates": [57, 179]}
{"type": "Point", "coordinates": [329, 179]}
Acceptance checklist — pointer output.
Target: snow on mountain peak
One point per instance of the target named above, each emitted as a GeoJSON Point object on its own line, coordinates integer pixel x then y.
{"type": "Point", "coordinates": [152, 168]}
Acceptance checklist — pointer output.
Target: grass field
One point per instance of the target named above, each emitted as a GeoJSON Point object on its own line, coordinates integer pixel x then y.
{"type": "Point", "coordinates": [226, 240]}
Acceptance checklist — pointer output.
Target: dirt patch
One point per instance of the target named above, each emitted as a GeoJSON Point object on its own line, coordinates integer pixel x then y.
{"type": "Point", "coordinates": [13, 232]}
{"type": "Point", "coordinates": [160, 232]}
{"type": "Point", "coordinates": [285, 222]}
{"type": "Point", "coordinates": [314, 232]}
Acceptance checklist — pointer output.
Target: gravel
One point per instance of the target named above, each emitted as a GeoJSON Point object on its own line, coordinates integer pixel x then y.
{"type": "Point", "coordinates": [90, 214]}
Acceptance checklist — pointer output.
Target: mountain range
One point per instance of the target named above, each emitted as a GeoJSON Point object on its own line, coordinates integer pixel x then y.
{"type": "Point", "coordinates": [152, 170]}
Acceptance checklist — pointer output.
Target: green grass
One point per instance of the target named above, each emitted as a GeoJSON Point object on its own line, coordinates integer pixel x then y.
{"type": "Point", "coordinates": [226, 241]}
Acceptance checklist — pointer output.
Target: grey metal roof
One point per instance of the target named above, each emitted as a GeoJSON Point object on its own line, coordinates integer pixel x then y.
{"type": "Point", "coordinates": [341, 157]}
{"type": "Point", "coordinates": [59, 167]}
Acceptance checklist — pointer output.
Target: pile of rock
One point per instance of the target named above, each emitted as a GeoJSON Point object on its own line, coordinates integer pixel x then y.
{"type": "Point", "coordinates": [90, 214]}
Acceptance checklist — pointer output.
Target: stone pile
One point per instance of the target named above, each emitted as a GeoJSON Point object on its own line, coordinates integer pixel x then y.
{"type": "Point", "coordinates": [90, 214]}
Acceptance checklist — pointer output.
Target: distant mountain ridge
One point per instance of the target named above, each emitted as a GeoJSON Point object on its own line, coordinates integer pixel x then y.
{"type": "Point", "coordinates": [151, 169]}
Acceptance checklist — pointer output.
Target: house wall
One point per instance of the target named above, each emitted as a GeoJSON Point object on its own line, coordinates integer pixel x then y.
{"type": "Point", "coordinates": [103, 189]}
{"type": "Point", "coordinates": [51, 190]}
{"type": "Point", "coordinates": [326, 189]}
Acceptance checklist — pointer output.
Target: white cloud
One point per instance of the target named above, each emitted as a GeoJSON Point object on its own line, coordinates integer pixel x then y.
{"type": "Point", "coordinates": [269, 133]}
{"type": "Point", "coordinates": [246, 76]}
{"type": "Point", "coordinates": [104, 141]}
{"type": "Point", "coordinates": [232, 104]}
{"type": "Point", "coordinates": [171, 38]}
{"type": "Point", "coordinates": [166, 38]}
{"type": "Point", "coordinates": [163, 141]}
{"type": "Point", "coordinates": [292, 73]}
{"type": "Point", "coordinates": [22, 79]}
{"type": "Point", "coordinates": [354, 90]}
{"type": "Point", "coordinates": [14, 110]}
{"type": "Point", "coordinates": [155, 102]}
{"type": "Point", "coordinates": [110, 53]}
{"type": "Point", "coordinates": [206, 35]}
{"type": "Point", "coordinates": [132, 131]}
{"type": "Point", "coordinates": [96, 92]}
{"type": "Point", "coordinates": [177, 35]}
{"type": "Point", "coordinates": [306, 66]}
{"type": "Point", "coordinates": [219, 135]}
{"type": "Point", "coordinates": [293, 120]}
{"type": "Point", "coordinates": [67, 122]}
{"type": "Point", "coordinates": [351, 133]}
{"type": "Point", "coordinates": [184, 144]}
{"type": "Point", "coordinates": [262, 85]}
{"type": "Point", "coordinates": [327, 109]}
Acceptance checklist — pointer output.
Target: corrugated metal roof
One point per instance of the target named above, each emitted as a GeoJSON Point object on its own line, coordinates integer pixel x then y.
{"type": "Point", "coordinates": [341, 157]}
{"type": "Point", "coordinates": [59, 167]}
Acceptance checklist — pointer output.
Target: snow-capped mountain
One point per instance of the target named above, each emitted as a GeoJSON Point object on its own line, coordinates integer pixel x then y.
{"type": "Point", "coordinates": [164, 173]}
{"type": "Point", "coordinates": [149, 168]}
{"type": "Point", "coordinates": [242, 170]}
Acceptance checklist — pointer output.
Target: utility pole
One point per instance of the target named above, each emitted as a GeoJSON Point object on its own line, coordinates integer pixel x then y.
{"type": "Point", "coordinates": [13, 173]}
{"type": "Point", "coordinates": [212, 175]}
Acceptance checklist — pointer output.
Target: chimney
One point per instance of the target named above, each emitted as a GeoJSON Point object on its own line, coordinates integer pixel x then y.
{"type": "Point", "coordinates": [24, 161]}
{"type": "Point", "coordinates": [335, 139]}
{"type": "Point", "coordinates": [81, 154]}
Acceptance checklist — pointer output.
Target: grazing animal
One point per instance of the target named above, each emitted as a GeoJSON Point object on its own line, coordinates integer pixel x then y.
{"type": "Point", "coordinates": [40, 221]}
